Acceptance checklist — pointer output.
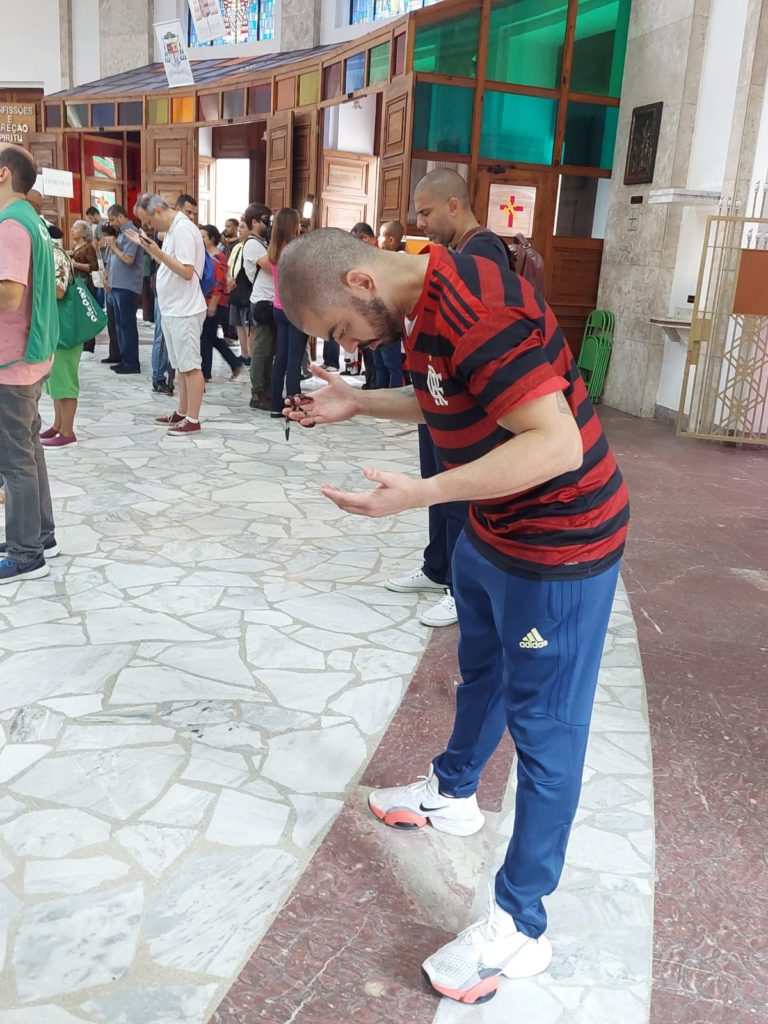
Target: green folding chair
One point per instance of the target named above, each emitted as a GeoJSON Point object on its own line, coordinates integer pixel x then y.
{"type": "Point", "coordinates": [595, 352]}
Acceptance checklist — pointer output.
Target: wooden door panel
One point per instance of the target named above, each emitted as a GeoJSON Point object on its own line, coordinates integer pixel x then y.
{"type": "Point", "coordinates": [279, 160]}
{"type": "Point", "coordinates": [395, 149]}
{"type": "Point", "coordinates": [575, 277]}
{"type": "Point", "coordinates": [47, 149]}
{"type": "Point", "coordinates": [305, 157]}
{"type": "Point", "coordinates": [169, 158]}
{"type": "Point", "coordinates": [348, 189]}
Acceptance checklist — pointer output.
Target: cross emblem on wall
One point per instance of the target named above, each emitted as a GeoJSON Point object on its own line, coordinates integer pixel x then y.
{"type": "Point", "coordinates": [510, 209]}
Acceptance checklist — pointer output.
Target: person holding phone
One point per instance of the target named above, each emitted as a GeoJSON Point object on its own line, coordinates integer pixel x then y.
{"type": "Point", "coordinates": [126, 279]}
{"type": "Point", "coordinates": [180, 268]}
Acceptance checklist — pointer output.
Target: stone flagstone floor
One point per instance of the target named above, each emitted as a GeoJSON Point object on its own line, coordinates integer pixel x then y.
{"type": "Point", "coordinates": [190, 697]}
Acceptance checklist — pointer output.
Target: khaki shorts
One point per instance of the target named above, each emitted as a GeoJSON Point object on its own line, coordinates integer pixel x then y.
{"type": "Point", "coordinates": [182, 339]}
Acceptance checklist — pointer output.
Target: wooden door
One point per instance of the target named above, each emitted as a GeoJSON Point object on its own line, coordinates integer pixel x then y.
{"type": "Point", "coordinates": [47, 149]}
{"type": "Point", "coordinates": [395, 152]}
{"type": "Point", "coordinates": [348, 190]}
{"type": "Point", "coordinates": [574, 281]}
{"type": "Point", "coordinates": [305, 157]}
{"type": "Point", "coordinates": [206, 190]}
{"type": "Point", "coordinates": [169, 161]}
{"type": "Point", "coordinates": [279, 183]}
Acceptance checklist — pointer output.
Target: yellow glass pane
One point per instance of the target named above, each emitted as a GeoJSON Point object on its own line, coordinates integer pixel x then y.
{"type": "Point", "coordinates": [183, 109]}
{"type": "Point", "coordinates": [158, 111]}
{"type": "Point", "coordinates": [309, 88]}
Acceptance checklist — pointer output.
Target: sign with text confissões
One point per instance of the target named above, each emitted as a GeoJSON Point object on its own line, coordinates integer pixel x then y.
{"type": "Point", "coordinates": [17, 122]}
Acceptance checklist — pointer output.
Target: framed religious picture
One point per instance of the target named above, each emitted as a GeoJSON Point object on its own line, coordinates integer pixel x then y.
{"type": "Point", "coordinates": [102, 199]}
{"type": "Point", "coordinates": [643, 142]}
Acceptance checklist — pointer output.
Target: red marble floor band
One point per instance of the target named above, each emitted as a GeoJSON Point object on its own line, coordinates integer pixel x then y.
{"type": "Point", "coordinates": [696, 570]}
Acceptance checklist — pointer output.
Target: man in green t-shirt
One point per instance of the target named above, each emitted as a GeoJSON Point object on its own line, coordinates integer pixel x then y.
{"type": "Point", "coordinates": [28, 337]}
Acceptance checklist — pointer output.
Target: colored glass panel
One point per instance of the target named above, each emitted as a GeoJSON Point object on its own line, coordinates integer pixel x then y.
{"type": "Point", "coordinates": [590, 135]}
{"type": "Point", "coordinates": [286, 93]}
{"type": "Point", "coordinates": [259, 99]}
{"type": "Point", "coordinates": [528, 40]}
{"type": "Point", "coordinates": [158, 111]}
{"type": "Point", "coordinates": [361, 10]}
{"type": "Point", "coordinates": [103, 115]}
{"type": "Point", "coordinates": [600, 46]}
{"type": "Point", "coordinates": [182, 109]}
{"type": "Point", "coordinates": [233, 104]}
{"type": "Point", "coordinates": [52, 115]}
{"type": "Point", "coordinates": [77, 115]}
{"type": "Point", "coordinates": [332, 81]}
{"type": "Point", "coordinates": [354, 72]}
{"type": "Point", "coordinates": [519, 128]}
{"type": "Point", "coordinates": [442, 120]}
{"type": "Point", "coordinates": [129, 113]}
{"type": "Point", "coordinates": [400, 54]}
{"type": "Point", "coordinates": [208, 107]}
{"type": "Point", "coordinates": [448, 47]}
{"type": "Point", "coordinates": [309, 88]}
{"type": "Point", "coordinates": [378, 65]}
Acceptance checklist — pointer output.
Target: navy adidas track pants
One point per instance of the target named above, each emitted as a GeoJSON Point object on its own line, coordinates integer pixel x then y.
{"type": "Point", "coordinates": [529, 654]}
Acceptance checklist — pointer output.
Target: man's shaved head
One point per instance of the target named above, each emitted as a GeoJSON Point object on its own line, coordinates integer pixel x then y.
{"type": "Point", "coordinates": [443, 210]}
{"type": "Point", "coordinates": [318, 280]}
{"type": "Point", "coordinates": [444, 184]}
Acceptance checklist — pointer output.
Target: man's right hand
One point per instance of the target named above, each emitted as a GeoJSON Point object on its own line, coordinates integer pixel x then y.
{"type": "Point", "coordinates": [335, 403]}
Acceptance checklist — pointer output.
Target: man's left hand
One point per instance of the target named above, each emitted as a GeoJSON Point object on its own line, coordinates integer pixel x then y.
{"type": "Point", "coordinates": [395, 492]}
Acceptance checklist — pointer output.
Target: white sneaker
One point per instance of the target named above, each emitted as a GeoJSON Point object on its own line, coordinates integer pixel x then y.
{"type": "Point", "coordinates": [421, 802]}
{"type": "Point", "coordinates": [441, 614]}
{"type": "Point", "coordinates": [414, 581]}
{"type": "Point", "coordinates": [468, 968]}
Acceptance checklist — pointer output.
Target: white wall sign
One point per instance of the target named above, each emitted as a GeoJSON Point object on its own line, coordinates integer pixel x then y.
{"type": "Point", "coordinates": [173, 53]}
{"type": "Point", "coordinates": [208, 19]}
{"type": "Point", "coordinates": [58, 183]}
{"type": "Point", "coordinates": [511, 209]}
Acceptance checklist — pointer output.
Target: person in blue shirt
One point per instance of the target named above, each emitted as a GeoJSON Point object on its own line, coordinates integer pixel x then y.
{"type": "Point", "coordinates": [126, 278]}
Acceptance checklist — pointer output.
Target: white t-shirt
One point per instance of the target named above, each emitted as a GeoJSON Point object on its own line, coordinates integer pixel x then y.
{"type": "Point", "coordinates": [175, 295]}
{"type": "Point", "coordinates": [263, 283]}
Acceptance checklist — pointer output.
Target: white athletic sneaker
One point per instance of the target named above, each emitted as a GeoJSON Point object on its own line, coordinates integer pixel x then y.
{"type": "Point", "coordinates": [412, 582]}
{"type": "Point", "coordinates": [441, 614]}
{"type": "Point", "coordinates": [421, 802]}
{"type": "Point", "coordinates": [468, 968]}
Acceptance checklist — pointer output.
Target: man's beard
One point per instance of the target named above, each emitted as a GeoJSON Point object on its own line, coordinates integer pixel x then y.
{"type": "Point", "coordinates": [386, 328]}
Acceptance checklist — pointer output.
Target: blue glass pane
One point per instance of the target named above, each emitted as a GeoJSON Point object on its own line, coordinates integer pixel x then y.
{"type": "Point", "coordinates": [267, 19]}
{"type": "Point", "coordinates": [354, 73]}
{"type": "Point", "coordinates": [362, 10]}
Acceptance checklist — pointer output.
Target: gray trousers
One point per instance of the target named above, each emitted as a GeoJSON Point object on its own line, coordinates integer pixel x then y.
{"type": "Point", "coordinates": [28, 509]}
{"type": "Point", "coordinates": [262, 354]}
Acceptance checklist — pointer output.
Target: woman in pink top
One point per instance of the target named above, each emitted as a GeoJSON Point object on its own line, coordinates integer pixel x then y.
{"type": "Point", "coordinates": [291, 342]}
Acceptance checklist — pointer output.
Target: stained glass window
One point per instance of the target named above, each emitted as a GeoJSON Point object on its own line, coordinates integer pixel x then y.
{"type": "Point", "coordinates": [374, 10]}
{"type": "Point", "coordinates": [246, 21]}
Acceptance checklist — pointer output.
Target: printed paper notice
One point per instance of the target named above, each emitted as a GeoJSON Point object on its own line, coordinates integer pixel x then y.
{"type": "Point", "coordinates": [173, 53]}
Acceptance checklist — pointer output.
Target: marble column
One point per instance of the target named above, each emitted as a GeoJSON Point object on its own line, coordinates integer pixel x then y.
{"type": "Point", "coordinates": [664, 56]}
{"type": "Point", "coordinates": [298, 28]}
{"type": "Point", "coordinates": [125, 35]}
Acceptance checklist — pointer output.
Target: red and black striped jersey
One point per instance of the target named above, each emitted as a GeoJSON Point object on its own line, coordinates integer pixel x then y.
{"type": "Point", "coordinates": [481, 343]}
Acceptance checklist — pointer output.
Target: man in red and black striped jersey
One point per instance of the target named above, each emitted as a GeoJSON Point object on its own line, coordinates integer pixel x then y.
{"type": "Point", "coordinates": [534, 572]}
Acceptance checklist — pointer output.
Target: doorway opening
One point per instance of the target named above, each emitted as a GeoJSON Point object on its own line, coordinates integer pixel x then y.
{"type": "Point", "coordinates": [232, 170]}
{"type": "Point", "coordinates": [350, 170]}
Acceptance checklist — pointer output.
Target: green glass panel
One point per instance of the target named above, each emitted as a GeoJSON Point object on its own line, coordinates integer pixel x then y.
{"type": "Point", "coordinates": [379, 66]}
{"type": "Point", "coordinates": [526, 42]}
{"type": "Point", "coordinates": [600, 46]}
{"type": "Point", "coordinates": [442, 120]}
{"type": "Point", "coordinates": [590, 135]}
{"type": "Point", "coordinates": [519, 128]}
{"type": "Point", "coordinates": [158, 111]}
{"type": "Point", "coordinates": [77, 115]}
{"type": "Point", "coordinates": [448, 47]}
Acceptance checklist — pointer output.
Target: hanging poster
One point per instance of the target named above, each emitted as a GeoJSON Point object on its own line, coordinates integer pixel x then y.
{"type": "Point", "coordinates": [511, 209]}
{"type": "Point", "coordinates": [208, 19]}
{"type": "Point", "coordinates": [173, 53]}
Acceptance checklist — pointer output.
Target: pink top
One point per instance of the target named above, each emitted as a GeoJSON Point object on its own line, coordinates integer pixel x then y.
{"type": "Point", "coordinates": [273, 267]}
{"type": "Point", "coordinates": [16, 265]}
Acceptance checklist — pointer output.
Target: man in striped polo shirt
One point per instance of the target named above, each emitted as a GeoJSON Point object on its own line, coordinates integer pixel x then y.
{"type": "Point", "coordinates": [534, 571]}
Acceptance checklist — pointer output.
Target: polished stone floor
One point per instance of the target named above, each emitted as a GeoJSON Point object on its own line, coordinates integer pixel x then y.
{"type": "Point", "coordinates": [187, 706]}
